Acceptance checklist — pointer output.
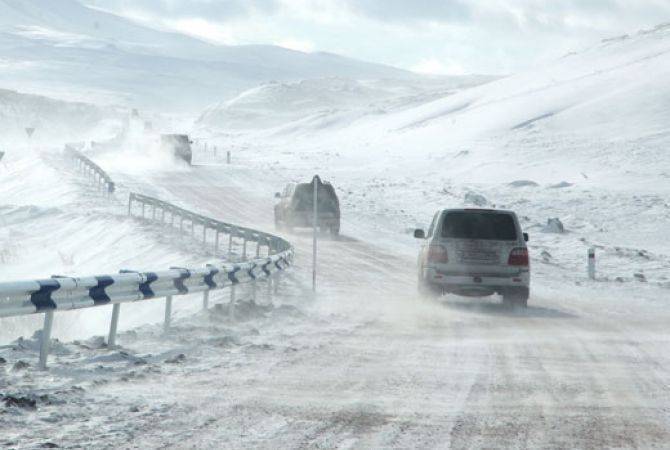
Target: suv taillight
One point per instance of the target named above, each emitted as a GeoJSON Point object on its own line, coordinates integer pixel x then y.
{"type": "Point", "coordinates": [518, 257]}
{"type": "Point", "coordinates": [437, 254]}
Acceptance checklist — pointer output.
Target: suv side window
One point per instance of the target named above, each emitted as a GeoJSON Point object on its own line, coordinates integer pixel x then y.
{"type": "Point", "coordinates": [431, 230]}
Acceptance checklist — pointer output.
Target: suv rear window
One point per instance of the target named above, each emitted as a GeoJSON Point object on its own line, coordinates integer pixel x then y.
{"type": "Point", "coordinates": [304, 197]}
{"type": "Point", "coordinates": [479, 225]}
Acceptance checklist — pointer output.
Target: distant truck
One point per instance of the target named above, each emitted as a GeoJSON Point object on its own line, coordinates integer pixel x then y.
{"type": "Point", "coordinates": [179, 145]}
{"type": "Point", "coordinates": [296, 207]}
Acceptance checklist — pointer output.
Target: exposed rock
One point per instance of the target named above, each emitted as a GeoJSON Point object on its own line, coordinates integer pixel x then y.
{"type": "Point", "coordinates": [94, 343]}
{"type": "Point", "coordinates": [640, 277]}
{"type": "Point", "coordinates": [554, 225]}
{"type": "Point", "coordinates": [178, 359]}
{"type": "Point", "coordinates": [561, 185]}
{"type": "Point", "coordinates": [523, 183]}
{"type": "Point", "coordinates": [20, 365]}
{"type": "Point", "coordinates": [19, 402]}
{"type": "Point", "coordinates": [475, 199]}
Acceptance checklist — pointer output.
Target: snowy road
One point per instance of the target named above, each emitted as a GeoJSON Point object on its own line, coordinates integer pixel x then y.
{"type": "Point", "coordinates": [370, 365]}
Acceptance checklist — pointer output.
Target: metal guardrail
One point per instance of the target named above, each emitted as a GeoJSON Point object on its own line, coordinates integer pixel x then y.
{"type": "Point", "coordinates": [169, 214]}
{"type": "Point", "coordinates": [48, 296]}
{"type": "Point", "coordinates": [91, 170]}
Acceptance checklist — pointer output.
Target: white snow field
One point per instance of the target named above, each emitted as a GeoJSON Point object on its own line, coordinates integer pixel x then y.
{"type": "Point", "coordinates": [365, 363]}
{"type": "Point", "coordinates": [50, 119]}
{"type": "Point", "coordinates": [74, 51]}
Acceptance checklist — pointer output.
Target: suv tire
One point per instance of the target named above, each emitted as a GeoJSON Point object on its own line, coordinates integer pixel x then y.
{"type": "Point", "coordinates": [427, 289]}
{"type": "Point", "coordinates": [335, 230]}
{"type": "Point", "coordinates": [516, 297]}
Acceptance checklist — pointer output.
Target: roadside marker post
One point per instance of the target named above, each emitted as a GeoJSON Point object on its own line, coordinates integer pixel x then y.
{"type": "Point", "coordinates": [592, 263]}
{"type": "Point", "coordinates": [315, 224]}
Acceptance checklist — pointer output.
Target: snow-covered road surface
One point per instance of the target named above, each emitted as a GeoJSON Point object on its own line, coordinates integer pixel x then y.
{"type": "Point", "coordinates": [371, 366]}
{"type": "Point", "coordinates": [365, 364]}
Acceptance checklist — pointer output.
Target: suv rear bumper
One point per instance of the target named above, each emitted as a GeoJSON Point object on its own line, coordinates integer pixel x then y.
{"type": "Point", "coordinates": [299, 219]}
{"type": "Point", "coordinates": [476, 284]}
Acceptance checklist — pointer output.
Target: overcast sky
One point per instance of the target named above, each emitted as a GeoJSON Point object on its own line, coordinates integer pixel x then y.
{"type": "Point", "coordinates": [432, 36]}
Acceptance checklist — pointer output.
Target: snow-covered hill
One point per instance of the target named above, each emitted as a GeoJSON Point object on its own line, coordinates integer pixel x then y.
{"type": "Point", "coordinates": [584, 139]}
{"type": "Point", "coordinates": [51, 119]}
{"type": "Point", "coordinates": [314, 104]}
{"type": "Point", "coordinates": [65, 48]}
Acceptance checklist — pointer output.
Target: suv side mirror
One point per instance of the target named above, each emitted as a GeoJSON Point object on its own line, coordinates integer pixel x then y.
{"type": "Point", "coordinates": [277, 195]}
{"type": "Point", "coordinates": [526, 238]}
{"type": "Point", "coordinates": [419, 234]}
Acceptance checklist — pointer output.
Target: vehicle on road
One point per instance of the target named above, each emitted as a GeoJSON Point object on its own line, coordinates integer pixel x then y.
{"type": "Point", "coordinates": [296, 207]}
{"type": "Point", "coordinates": [475, 253]}
{"type": "Point", "coordinates": [179, 145]}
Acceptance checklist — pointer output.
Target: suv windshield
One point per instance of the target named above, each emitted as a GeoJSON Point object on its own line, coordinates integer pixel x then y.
{"type": "Point", "coordinates": [479, 225]}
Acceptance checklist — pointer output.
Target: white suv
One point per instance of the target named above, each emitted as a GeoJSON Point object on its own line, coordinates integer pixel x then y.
{"type": "Point", "coordinates": [476, 253]}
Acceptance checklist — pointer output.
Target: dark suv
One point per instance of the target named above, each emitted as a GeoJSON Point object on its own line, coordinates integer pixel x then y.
{"type": "Point", "coordinates": [179, 145]}
{"type": "Point", "coordinates": [296, 207]}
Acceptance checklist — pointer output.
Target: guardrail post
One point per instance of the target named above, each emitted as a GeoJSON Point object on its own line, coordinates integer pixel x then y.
{"type": "Point", "coordinates": [168, 313]}
{"type": "Point", "coordinates": [230, 243]}
{"type": "Point", "coordinates": [113, 326]}
{"type": "Point", "coordinates": [204, 233]}
{"type": "Point", "coordinates": [153, 212]}
{"type": "Point", "coordinates": [205, 300]}
{"type": "Point", "coordinates": [258, 248]}
{"type": "Point", "coordinates": [244, 249]}
{"type": "Point", "coordinates": [231, 305]}
{"type": "Point", "coordinates": [216, 242]}
{"type": "Point", "coordinates": [228, 157]}
{"type": "Point", "coordinates": [275, 282]}
{"type": "Point", "coordinates": [130, 205]}
{"type": "Point", "coordinates": [45, 343]}
{"type": "Point", "coordinates": [143, 209]}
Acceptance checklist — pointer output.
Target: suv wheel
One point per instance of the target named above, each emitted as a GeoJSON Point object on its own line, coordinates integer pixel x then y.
{"type": "Point", "coordinates": [516, 297]}
{"type": "Point", "coordinates": [427, 289]}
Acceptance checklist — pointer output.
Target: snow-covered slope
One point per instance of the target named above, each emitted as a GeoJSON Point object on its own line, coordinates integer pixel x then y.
{"type": "Point", "coordinates": [70, 49]}
{"type": "Point", "coordinates": [326, 102]}
{"type": "Point", "coordinates": [583, 139]}
{"type": "Point", "coordinates": [51, 119]}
